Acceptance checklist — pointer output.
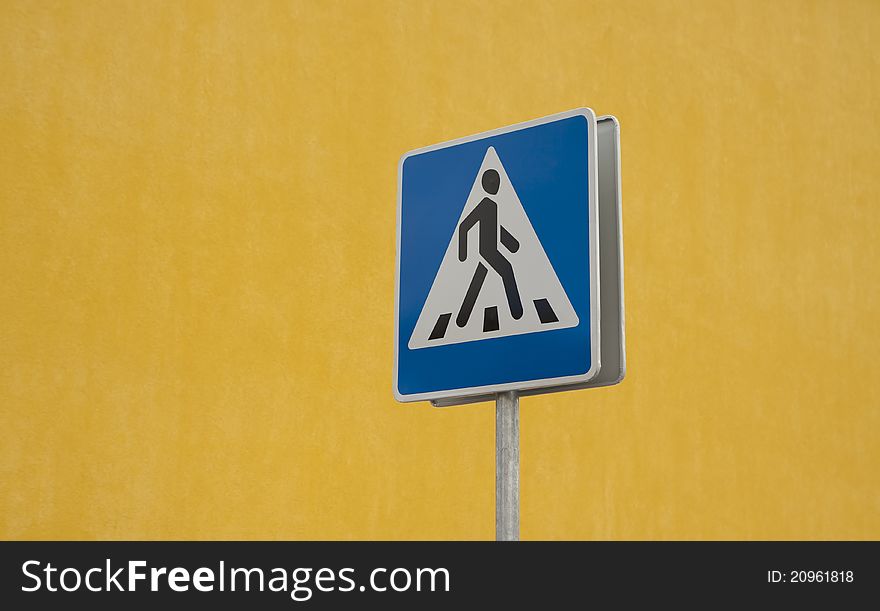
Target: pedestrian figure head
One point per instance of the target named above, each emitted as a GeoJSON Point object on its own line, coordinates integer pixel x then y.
{"type": "Point", "coordinates": [491, 181]}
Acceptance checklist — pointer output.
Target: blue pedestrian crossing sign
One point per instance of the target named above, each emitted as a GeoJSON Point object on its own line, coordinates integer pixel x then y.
{"type": "Point", "coordinates": [498, 277]}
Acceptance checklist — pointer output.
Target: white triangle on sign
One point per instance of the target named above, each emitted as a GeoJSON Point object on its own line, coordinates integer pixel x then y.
{"type": "Point", "coordinates": [468, 300]}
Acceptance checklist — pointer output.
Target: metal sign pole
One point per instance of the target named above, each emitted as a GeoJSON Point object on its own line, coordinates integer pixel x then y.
{"type": "Point", "coordinates": [507, 466]}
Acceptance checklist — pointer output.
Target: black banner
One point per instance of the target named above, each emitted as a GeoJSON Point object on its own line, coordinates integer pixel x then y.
{"type": "Point", "coordinates": [317, 575]}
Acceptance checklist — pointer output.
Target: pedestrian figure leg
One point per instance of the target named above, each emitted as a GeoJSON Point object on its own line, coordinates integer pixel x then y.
{"type": "Point", "coordinates": [504, 269]}
{"type": "Point", "coordinates": [470, 298]}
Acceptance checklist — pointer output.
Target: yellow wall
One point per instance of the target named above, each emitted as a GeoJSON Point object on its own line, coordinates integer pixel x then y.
{"type": "Point", "coordinates": [186, 353]}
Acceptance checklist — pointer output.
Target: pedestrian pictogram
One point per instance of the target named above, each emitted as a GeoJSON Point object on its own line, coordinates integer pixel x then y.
{"type": "Point", "coordinates": [495, 279]}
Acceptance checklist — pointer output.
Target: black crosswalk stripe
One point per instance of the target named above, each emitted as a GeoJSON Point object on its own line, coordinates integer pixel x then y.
{"type": "Point", "coordinates": [490, 319]}
{"type": "Point", "coordinates": [545, 312]}
{"type": "Point", "coordinates": [440, 326]}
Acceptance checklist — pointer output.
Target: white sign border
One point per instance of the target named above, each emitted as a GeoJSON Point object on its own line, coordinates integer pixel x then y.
{"type": "Point", "coordinates": [593, 211]}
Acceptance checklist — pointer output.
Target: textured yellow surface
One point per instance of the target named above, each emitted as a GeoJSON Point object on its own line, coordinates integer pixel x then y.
{"type": "Point", "coordinates": [197, 205]}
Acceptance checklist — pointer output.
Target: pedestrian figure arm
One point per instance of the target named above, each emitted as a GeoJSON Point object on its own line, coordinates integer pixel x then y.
{"type": "Point", "coordinates": [510, 242]}
{"type": "Point", "coordinates": [469, 221]}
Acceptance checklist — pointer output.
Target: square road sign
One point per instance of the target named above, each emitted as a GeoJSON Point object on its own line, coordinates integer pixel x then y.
{"type": "Point", "coordinates": [497, 279]}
